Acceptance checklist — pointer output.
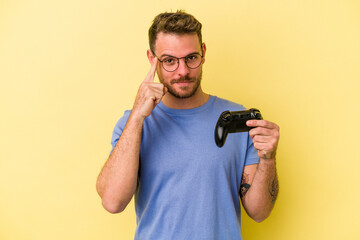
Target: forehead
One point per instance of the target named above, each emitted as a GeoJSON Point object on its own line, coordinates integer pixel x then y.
{"type": "Point", "coordinates": [176, 45]}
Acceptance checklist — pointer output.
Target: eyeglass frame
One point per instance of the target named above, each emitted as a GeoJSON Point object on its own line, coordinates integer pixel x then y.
{"type": "Point", "coordinates": [178, 60]}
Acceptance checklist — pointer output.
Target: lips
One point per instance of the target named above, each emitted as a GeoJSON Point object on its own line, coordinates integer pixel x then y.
{"type": "Point", "coordinates": [183, 84]}
{"type": "Point", "coordinates": [182, 81]}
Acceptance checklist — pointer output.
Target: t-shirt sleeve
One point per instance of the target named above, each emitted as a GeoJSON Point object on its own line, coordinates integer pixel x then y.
{"type": "Point", "coordinates": [251, 153]}
{"type": "Point", "coordinates": [118, 129]}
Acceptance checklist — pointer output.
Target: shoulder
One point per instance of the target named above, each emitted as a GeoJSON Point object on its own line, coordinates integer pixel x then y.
{"type": "Point", "coordinates": [122, 121]}
{"type": "Point", "coordinates": [227, 104]}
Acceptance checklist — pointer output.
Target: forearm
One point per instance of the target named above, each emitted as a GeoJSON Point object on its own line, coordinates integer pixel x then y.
{"type": "Point", "coordinates": [117, 181]}
{"type": "Point", "coordinates": [260, 198]}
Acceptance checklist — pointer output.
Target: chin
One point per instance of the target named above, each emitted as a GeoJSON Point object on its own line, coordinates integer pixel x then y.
{"type": "Point", "coordinates": [183, 94]}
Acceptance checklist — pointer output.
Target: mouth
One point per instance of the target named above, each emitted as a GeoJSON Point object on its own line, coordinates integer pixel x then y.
{"type": "Point", "coordinates": [183, 83]}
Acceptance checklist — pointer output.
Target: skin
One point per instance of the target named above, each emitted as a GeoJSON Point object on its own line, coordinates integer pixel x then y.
{"type": "Point", "coordinates": [259, 199]}
{"type": "Point", "coordinates": [117, 181]}
{"type": "Point", "coordinates": [180, 46]}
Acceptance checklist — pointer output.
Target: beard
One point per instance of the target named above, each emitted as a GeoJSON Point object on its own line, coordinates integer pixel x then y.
{"type": "Point", "coordinates": [186, 92]}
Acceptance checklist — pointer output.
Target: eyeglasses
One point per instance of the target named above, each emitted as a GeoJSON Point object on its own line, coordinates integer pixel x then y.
{"type": "Point", "coordinates": [170, 63]}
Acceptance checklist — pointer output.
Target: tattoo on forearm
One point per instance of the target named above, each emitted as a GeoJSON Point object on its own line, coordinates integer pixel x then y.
{"type": "Point", "coordinates": [273, 155]}
{"type": "Point", "coordinates": [244, 187]}
{"type": "Point", "coordinates": [274, 188]}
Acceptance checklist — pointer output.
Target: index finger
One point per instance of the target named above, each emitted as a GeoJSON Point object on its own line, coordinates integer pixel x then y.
{"type": "Point", "coordinates": [261, 123]}
{"type": "Point", "coordinates": [150, 76]}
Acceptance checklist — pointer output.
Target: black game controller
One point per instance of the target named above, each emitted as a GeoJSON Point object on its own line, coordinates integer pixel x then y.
{"type": "Point", "coordinates": [232, 122]}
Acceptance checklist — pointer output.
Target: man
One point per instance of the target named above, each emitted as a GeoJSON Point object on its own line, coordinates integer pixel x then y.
{"type": "Point", "coordinates": [165, 154]}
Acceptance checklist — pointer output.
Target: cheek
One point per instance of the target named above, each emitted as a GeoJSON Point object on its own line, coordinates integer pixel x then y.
{"type": "Point", "coordinates": [164, 75]}
{"type": "Point", "coordinates": [198, 73]}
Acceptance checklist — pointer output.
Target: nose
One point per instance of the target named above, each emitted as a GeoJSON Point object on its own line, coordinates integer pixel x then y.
{"type": "Point", "coordinates": [183, 69]}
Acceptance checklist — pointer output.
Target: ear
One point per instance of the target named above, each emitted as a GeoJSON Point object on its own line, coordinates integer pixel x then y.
{"type": "Point", "coordinates": [203, 52]}
{"type": "Point", "coordinates": [150, 56]}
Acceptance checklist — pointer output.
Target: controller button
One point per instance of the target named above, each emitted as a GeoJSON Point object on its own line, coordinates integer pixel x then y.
{"type": "Point", "coordinates": [226, 116]}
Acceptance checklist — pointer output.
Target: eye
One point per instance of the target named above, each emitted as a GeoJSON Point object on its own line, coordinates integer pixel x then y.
{"type": "Point", "coordinates": [192, 57]}
{"type": "Point", "coordinates": [169, 61]}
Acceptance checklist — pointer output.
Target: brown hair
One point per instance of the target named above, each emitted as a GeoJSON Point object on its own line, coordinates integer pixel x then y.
{"type": "Point", "coordinates": [178, 23]}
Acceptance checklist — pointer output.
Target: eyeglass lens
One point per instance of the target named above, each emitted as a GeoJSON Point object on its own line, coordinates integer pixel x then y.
{"type": "Point", "coordinates": [170, 63]}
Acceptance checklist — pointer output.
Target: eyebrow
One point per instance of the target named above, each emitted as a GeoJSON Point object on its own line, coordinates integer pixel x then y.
{"type": "Point", "coordinates": [168, 55]}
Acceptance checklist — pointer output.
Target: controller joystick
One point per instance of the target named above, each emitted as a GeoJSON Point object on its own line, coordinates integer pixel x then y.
{"type": "Point", "coordinates": [232, 122]}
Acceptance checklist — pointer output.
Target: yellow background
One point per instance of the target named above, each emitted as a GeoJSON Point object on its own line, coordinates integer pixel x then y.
{"type": "Point", "coordinates": [68, 70]}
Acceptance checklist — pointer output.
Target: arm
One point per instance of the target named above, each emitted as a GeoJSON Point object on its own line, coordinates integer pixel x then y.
{"type": "Point", "coordinates": [259, 186]}
{"type": "Point", "coordinates": [117, 181]}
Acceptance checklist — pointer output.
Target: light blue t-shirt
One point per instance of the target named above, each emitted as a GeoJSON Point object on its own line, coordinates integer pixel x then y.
{"type": "Point", "coordinates": [188, 187]}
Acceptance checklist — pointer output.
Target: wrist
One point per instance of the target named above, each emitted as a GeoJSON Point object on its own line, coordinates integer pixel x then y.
{"type": "Point", "coordinates": [136, 116]}
{"type": "Point", "coordinates": [267, 155]}
{"type": "Point", "coordinates": [267, 165]}
{"type": "Point", "coordinates": [268, 161]}
{"type": "Point", "coordinates": [267, 158]}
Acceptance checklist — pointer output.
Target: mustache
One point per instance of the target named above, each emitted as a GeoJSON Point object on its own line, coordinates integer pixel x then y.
{"type": "Point", "coordinates": [183, 79]}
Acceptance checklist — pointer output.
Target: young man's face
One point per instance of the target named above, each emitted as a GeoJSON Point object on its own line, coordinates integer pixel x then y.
{"type": "Point", "coordinates": [184, 81]}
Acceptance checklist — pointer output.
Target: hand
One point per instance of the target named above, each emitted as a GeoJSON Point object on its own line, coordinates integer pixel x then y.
{"type": "Point", "coordinates": [265, 137]}
{"type": "Point", "coordinates": [149, 94]}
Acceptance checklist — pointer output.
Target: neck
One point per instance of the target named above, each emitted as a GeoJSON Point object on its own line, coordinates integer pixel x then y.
{"type": "Point", "coordinates": [197, 100]}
